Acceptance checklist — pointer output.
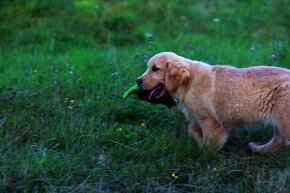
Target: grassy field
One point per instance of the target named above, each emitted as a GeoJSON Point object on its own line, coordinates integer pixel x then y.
{"type": "Point", "coordinates": [65, 64]}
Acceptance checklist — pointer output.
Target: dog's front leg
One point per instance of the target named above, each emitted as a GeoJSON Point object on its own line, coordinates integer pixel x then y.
{"type": "Point", "coordinates": [214, 134]}
{"type": "Point", "coordinates": [195, 131]}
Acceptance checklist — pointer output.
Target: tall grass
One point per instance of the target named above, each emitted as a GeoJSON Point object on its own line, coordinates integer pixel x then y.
{"type": "Point", "coordinates": [65, 65]}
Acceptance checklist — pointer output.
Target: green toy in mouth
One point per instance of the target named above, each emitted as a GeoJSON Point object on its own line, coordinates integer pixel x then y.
{"type": "Point", "coordinates": [149, 95]}
{"type": "Point", "coordinates": [131, 90]}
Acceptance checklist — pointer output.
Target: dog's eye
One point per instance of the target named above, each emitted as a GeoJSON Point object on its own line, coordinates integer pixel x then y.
{"type": "Point", "coordinates": [155, 69]}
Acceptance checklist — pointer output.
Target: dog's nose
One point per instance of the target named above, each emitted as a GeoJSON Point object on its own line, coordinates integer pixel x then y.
{"type": "Point", "coordinates": [139, 81]}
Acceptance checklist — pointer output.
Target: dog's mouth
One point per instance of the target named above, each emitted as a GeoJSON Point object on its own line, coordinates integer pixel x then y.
{"type": "Point", "coordinates": [154, 92]}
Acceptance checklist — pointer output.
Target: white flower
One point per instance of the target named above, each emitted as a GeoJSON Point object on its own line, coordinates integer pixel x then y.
{"type": "Point", "coordinates": [216, 20]}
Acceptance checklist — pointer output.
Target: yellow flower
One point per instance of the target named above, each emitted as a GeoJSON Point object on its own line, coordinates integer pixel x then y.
{"type": "Point", "coordinates": [182, 17]}
{"type": "Point", "coordinates": [35, 70]}
{"type": "Point", "coordinates": [173, 175]}
{"type": "Point", "coordinates": [72, 101]}
{"type": "Point", "coordinates": [142, 124]}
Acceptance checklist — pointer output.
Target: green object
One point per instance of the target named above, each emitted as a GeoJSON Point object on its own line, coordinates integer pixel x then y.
{"type": "Point", "coordinates": [145, 95]}
{"type": "Point", "coordinates": [130, 90]}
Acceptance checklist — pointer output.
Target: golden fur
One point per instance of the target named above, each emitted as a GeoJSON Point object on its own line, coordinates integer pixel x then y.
{"type": "Point", "coordinates": [216, 98]}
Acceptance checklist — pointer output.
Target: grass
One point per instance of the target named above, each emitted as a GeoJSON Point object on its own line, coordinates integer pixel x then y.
{"type": "Point", "coordinates": [65, 65]}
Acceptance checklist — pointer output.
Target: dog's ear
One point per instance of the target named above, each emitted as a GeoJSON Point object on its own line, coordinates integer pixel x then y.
{"type": "Point", "coordinates": [176, 74]}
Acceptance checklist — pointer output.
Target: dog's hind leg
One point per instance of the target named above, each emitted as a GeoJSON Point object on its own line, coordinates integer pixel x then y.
{"type": "Point", "coordinates": [277, 142]}
{"type": "Point", "coordinates": [281, 120]}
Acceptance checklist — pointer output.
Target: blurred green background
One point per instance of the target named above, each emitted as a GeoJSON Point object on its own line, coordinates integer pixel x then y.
{"type": "Point", "coordinates": [91, 22]}
{"type": "Point", "coordinates": [65, 64]}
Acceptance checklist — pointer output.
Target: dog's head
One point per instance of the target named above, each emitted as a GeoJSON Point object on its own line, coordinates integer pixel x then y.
{"type": "Point", "coordinates": [165, 73]}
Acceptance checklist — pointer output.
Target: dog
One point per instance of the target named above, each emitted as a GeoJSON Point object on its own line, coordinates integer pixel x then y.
{"type": "Point", "coordinates": [217, 98]}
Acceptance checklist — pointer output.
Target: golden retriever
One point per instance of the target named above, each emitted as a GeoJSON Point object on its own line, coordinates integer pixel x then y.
{"type": "Point", "coordinates": [216, 98]}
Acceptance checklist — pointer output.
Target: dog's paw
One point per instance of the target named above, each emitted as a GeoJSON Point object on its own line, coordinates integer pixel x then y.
{"type": "Point", "coordinates": [255, 147]}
